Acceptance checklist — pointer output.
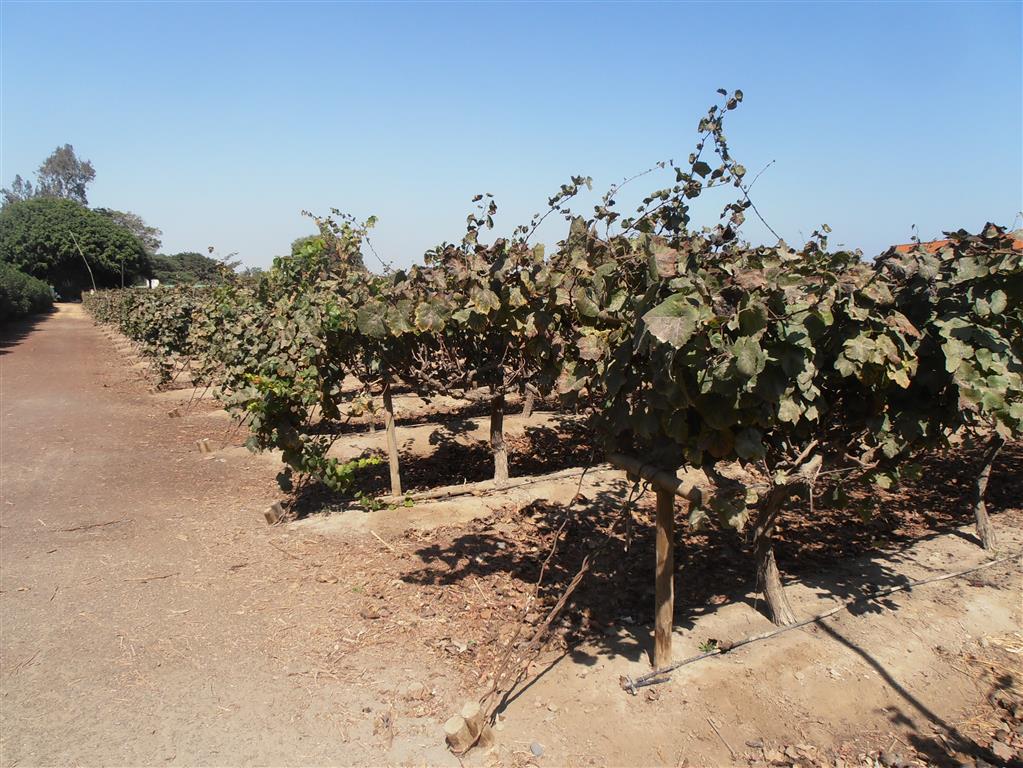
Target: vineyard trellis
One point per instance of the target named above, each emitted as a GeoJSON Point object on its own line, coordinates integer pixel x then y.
{"type": "Point", "coordinates": [753, 373]}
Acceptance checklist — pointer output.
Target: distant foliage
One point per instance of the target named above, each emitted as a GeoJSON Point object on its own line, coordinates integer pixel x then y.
{"type": "Point", "coordinates": [21, 294]}
{"type": "Point", "coordinates": [61, 175]}
{"type": "Point", "coordinates": [38, 237]}
{"type": "Point", "coordinates": [147, 235]}
{"type": "Point", "coordinates": [188, 268]}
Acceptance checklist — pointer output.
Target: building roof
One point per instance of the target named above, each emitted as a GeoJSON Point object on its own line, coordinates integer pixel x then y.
{"type": "Point", "coordinates": [934, 246]}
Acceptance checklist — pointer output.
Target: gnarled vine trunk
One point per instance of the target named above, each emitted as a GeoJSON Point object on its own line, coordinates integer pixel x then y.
{"type": "Point", "coordinates": [768, 576]}
{"type": "Point", "coordinates": [497, 438]}
{"type": "Point", "coordinates": [985, 532]}
{"type": "Point", "coordinates": [527, 408]}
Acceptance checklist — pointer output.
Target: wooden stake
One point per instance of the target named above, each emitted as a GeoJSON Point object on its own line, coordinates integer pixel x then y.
{"type": "Point", "coordinates": [392, 439]}
{"type": "Point", "coordinates": [664, 587]}
{"type": "Point", "coordinates": [497, 444]}
{"type": "Point", "coordinates": [274, 513]}
{"type": "Point", "coordinates": [472, 714]}
{"type": "Point", "coordinates": [457, 735]}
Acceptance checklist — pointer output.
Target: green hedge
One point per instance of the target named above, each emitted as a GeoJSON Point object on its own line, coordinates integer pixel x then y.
{"type": "Point", "coordinates": [22, 294]}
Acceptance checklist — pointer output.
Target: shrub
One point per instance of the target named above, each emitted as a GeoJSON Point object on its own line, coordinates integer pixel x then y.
{"type": "Point", "coordinates": [22, 294]}
{"type": "Point", "coordinates": [38, 237]}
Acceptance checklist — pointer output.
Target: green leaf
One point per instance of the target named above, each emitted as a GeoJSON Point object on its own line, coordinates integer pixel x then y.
{"type": "Point", "coordinates": [749, 444]}
{"type": "Point", "coordinates": [859, 348]}
{"type": "Point", "coordinates": [998, 302]}
{"type": "Point", "coordinates": [750, 359]}
{"type": "Point", "coordinates": [584, 304]}
{"type": "Point", "coordinates": [617, 300]}
{"type": "Point", "coordinates": [673, 321]}
{"type": "Point", "coordinates": [753, 319]}
{"type": "Point", "coordinates": [397, 318]}
{"type": "Point", "coordinates": [484, 299]}
{"type": "Point", "coordinates": [370, 320]}
{"type": "Point", "coordinates": [955, 352]}
{"type": "Point", "coordinates": [430, 316]}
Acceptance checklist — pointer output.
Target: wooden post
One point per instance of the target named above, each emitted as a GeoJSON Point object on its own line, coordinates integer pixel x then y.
{"type": "Point", "coordinates": [463, 730]}
{"type": "Point", "coordinates": [472, 713]}
{"type": "Point", "coordinates": [664, 596]}
{"type": "Point", "coordinates": [274, 513]}
{"type": "Point", "coordinates": [497, 444]}
{"type": "Point", "coordinates": [392, 439]}
{"type": "Point", "coordinates": [458, 735]}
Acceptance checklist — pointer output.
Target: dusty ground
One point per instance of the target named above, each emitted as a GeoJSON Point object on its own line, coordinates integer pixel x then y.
{"type": "Point", "coordinates": [149, 616]}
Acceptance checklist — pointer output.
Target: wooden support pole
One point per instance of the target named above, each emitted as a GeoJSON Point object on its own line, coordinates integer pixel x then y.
{"type": "Point", "coordinates": [472, 713]}
{"type": "Point", "coordinates": [497, 444]}
{"type": "Point", "coordinates": [274, 513]}
{"type": "Point", "coordinates": [458, 735]}
{"type": "Point", "coordinates": [392, 439]}
{"type": "Point", "coordinates": [664, 589]}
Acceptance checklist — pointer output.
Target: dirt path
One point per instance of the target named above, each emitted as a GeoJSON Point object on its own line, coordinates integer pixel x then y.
{"type": "Point", "coordinates": [142, 607]}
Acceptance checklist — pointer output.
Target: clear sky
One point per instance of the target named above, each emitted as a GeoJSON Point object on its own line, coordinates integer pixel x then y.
{"type": "Point", "coordinates": [220, 122]}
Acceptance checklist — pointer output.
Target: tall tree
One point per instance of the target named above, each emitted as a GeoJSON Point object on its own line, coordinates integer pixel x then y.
{"type": "Point", "coordinates": [55, 239]}
{"type": "Point", "coordinates": [62, 174]}
{"type": "Point", "coordinates": [21, 189]}
{"type": "Point", "coordinates": [147, 235]}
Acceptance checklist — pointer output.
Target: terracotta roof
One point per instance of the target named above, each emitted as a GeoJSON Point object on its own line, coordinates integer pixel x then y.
{"type": "Point", "coordinates": [936, 245]}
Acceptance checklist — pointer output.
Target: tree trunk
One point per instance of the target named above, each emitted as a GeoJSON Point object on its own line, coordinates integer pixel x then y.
{"type": "Point", "coordinates": [497, 439]}
{"type": "Point", "coordinates": [768, 577]}
{"type": "Point", "coordinates": [527, 408]}
{"type": "Point", "coordinates": [985, 532]}
{"type": "Point", "coordinates": [392, 439]}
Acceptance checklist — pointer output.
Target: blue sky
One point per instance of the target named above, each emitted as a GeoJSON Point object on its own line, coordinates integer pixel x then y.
{"type": "Point", "coordinates": [220, 122]}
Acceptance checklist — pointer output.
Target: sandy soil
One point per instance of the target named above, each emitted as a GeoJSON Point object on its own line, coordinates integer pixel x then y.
{"type": "Point", "coordinates": [144, 608]}
{"type": "Point", "coordinates": [148, 616]}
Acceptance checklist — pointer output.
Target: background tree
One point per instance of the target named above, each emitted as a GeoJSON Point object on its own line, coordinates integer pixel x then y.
{"type": "Point", "coordinates": [189, 268]}
{"type": "Point", "coordinates": [21, 189]}
{"type": "Point", "coordinates": [147, 235]}
{"type": "Point", "coordinates": [38, 237]}
{"type": "Point", "coordinates": [62, 174]}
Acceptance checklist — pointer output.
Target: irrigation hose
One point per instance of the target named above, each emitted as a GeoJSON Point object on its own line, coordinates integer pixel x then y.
{"type": "Point", "coordinates": [663, 674]}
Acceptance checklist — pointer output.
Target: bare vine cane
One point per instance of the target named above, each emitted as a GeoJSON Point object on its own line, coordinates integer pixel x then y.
{"type": "Point", "coordinates": [513, 667]}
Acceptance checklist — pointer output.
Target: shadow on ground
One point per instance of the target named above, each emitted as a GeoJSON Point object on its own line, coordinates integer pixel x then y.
{"type": "Point", "coordinates": [13, 332]}
{"type": "Point", "coordinates": [562, 444]}
{"type": "Point", "coordinates": [612, 609]}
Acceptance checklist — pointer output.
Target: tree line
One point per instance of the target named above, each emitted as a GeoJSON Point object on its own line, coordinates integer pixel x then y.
{"type": "Point", "coordinates": [49, 232]}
